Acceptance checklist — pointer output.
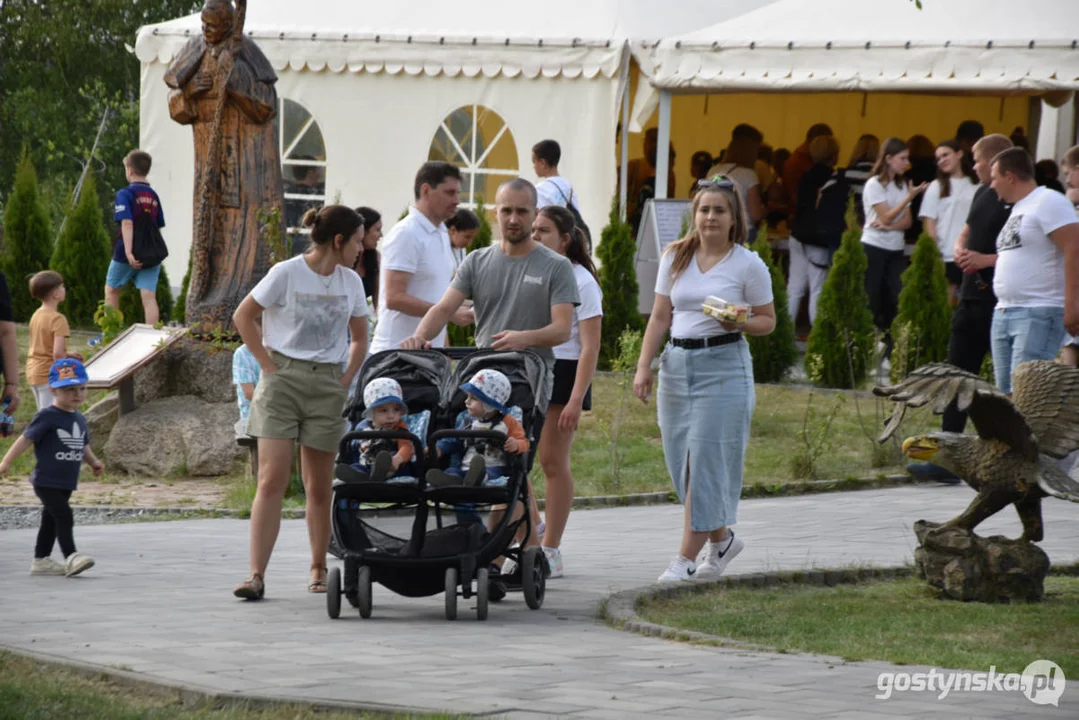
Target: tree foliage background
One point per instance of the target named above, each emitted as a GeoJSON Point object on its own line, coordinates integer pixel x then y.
{"type": "Point", "coordinates": [62, 62]}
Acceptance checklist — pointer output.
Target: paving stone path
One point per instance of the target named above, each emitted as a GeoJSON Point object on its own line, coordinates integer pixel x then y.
{"type": "Point", "coordinates": [159, 604]}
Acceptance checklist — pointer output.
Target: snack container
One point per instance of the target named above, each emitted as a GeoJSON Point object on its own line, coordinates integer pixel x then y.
{"type": "Point", "coordinates": [724, 311]}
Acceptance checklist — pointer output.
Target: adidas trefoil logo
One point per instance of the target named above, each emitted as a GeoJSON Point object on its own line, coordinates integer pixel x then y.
{"type": "Point", "coordinates": [75, 439]}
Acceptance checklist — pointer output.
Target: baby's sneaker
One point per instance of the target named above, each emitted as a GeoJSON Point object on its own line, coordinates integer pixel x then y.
{"type": "Point", "coordinates": [680, 569]}
{"type": "Point", "coordinates": [717, 555]}
{"type": "Point", "coordinates": [77, 563]}
{"type": "Point", "coordinates": [554, 560]}
{"type": "Point", "coordinates": [46, 566]}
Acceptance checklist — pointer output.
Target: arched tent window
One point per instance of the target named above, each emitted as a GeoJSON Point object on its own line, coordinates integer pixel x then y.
{"type": "Point", "coordinates": [303, 165]}
{"type": "Point", "coordinates": [478, 140]}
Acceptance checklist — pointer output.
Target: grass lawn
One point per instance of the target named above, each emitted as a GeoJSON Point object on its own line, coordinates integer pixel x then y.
{"type": "Point", "coordinates": [899, 621]}
{"type": "Point", "coordinates": [35, 691]}
{"type": "Point", "coordinates": [617, 449]}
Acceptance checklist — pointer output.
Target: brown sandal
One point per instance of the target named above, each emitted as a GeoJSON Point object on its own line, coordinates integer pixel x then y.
{"type": "Point", "coordinates": [253, 588]}
{"type": "Point", "coordinates": [319, 585]}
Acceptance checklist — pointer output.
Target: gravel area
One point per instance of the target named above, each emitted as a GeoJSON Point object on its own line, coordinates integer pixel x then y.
{"type": "Point", "coordinates": [28, 516]}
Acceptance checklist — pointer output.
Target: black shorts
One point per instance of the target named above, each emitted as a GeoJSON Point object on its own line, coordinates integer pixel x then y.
{"type": "Point", "coordinates": [954, 273]}
{"type": "Point", "coordinates": [565, 372]}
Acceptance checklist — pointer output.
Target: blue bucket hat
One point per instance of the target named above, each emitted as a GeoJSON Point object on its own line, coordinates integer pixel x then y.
{"type": "Point", "coordinates": [67, 372]}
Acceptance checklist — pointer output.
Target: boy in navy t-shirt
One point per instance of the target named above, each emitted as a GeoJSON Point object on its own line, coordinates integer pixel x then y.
{"type": "Point", "coordinates": [61, 443]}
{"type": "Point", "coordinates": [136, 198]}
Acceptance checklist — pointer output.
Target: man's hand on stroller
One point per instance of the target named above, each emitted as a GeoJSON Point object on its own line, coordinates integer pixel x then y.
{"type": "Point", "coordinates": [416, 342]}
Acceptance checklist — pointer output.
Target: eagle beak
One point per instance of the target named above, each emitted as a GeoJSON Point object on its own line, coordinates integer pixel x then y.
{"type": "Point", "coordinates": [920, 448]}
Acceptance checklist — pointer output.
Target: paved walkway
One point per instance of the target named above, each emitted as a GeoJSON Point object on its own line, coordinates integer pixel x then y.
{"type": "Point", "coordinates": [159, 604]}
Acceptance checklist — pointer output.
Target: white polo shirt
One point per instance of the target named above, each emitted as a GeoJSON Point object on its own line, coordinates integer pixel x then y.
{"type": "Point", "coordinates": [414, 246]}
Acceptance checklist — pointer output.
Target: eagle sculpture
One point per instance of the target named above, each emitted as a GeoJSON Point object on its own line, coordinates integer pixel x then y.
{"type": "Point", "coordinates": [1014, 457]}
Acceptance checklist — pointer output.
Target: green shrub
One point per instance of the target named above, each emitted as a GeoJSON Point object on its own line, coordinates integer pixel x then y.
{"type": "Point", "coordinates": [617, 253]}
{"type": "Point", "coordinates": [773, 355]}
{"type": "Point", "coordinates": [841, 341]}
{"type": "Point", "coordinates": [179, 308]}
{"type": "Point", "coordinates": [27, 239]}
{"type": "Point", "coordinates": [458, 336]}
{"type": "Point", "coordinates": [923, 324]}
{"type": "Point", "coordinates": [82, 256]}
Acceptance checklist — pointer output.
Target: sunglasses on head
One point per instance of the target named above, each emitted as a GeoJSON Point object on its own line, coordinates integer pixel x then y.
{"type": "Point", "coordinates": [716, 181]}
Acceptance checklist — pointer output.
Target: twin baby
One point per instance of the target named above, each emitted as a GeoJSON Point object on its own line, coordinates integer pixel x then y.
{"type": "Point", "coordinates": [472, 461]}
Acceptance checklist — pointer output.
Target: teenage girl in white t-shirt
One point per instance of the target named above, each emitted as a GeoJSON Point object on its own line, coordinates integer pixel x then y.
{"type": "Point", "coordinates": [886, 199]}
{"type": "Point", "coordinates": [945, 208]}
{"type": "Point", "coordinates": [574, 368]}
{"type": "Point", "coordinates": [706, 395]}
{"type": "Point", "coordinates": [310, 306]}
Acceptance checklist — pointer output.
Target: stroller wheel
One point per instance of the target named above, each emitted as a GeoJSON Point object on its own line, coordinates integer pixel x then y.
{"type": "Point", "coordinates": [333, 593]}
{"type": "Point", "coordinates": [363, 591]}
{"type": "Point", "coordinates": [482, 589]}
{"type": "Point", "coordinates": [533, 577]}
{"type": "Point", "coordinates": [451, 593]}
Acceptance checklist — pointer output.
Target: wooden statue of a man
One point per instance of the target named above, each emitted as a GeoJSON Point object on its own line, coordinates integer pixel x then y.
{"type": "Point", "coordinates": [223, 86]}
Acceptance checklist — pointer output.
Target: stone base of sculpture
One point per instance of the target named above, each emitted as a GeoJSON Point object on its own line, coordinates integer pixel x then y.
{"type": "Point", "coordinates": [969, 567]}
{"type": "Point", "coordinates": [184, 422]}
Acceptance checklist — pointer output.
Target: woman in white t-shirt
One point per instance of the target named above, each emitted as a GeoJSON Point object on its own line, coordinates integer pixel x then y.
{"type": "Point", "coordinates": [310, 306]}
{"type": "Point", "coordinates": [945, 208]}
{"type": "Point", "coordinates": [706, 396]}
{"type": "Point", "coordinates": [886, 199]}
{"type": "Point", "coordinates": [574, 368]}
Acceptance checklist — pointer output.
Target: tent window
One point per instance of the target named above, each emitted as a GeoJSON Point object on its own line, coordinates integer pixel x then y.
{"type": "Point", "coordinates": [478, 140]}
{"type": "Point", "coordinates": [303, 164]}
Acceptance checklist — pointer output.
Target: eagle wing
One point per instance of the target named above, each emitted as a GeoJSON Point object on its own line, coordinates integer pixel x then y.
{"type": "Point", "coordinates": [1047, 393]}
{"type": "Point", "coordinates": [993, 413]}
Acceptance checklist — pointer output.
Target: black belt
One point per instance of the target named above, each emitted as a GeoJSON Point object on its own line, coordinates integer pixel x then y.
{"type": "Point", "coordinates": [699, 343]}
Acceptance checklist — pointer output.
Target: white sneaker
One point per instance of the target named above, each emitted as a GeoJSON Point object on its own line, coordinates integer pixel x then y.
{"type": "Point", "coordinates": [46, 566]}
{"type": "Point", "coordinates": [554, 559]}
{"type": "Point", "coordinates": [77, 563]}
{"type": "Point", "coordinates": [679, 570]}
{"type": "Point", "coordinates": [717, 555]}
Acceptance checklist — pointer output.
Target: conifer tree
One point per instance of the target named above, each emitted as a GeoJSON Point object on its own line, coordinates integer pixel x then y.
{"type": "Point", "coordinates": [775, 354]}
{"type": "Point", "coordinates": [27, 238]}
{"type": "Point", "coordinates": [841, 341]}
{"type": "Point", "coordinates": [82, 256]}
{"type": "Point", "coordinates": [618, 280]}
{"type": "Point", "coordinates": [923, 325]}
{"type": "Point", "coordinates": [179, 308]}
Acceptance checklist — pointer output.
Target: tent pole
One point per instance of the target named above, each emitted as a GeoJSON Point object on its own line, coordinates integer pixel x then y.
{"type": "Point", "coordinates": [663, 142]}
{"type": "Point", "coordinates": [623, 173]}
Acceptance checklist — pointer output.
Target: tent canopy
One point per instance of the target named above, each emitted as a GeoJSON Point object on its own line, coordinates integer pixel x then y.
{"type": "Point", "coordinates": [472, 37]}
{"type": "Point", "coordinates": [982, 46]}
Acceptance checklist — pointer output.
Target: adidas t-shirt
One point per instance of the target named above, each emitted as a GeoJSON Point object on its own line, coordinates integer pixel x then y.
{"type": "Point", "coordinates": [59, 438]}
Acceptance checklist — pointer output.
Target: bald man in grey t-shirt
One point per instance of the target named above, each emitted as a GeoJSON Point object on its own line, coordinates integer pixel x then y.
{"type": "Point", "coordinates": [523, 294]}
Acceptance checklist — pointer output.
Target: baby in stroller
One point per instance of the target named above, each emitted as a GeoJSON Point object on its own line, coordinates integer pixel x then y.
{"type": "Point", "coordinates": [382, 458]}
{"type": "Point", "coordinates": [475, 462]}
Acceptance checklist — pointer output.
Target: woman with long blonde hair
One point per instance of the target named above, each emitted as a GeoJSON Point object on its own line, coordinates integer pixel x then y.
{"type": "Point", "coordinates": [706, 395]}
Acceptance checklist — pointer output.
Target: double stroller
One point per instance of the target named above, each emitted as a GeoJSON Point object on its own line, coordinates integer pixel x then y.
{"type": "Point", "coordinates": [419, 539]}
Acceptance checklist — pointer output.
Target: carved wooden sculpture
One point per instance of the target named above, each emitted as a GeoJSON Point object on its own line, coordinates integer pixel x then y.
{"type": "Point", "coordinates": [223, 86]}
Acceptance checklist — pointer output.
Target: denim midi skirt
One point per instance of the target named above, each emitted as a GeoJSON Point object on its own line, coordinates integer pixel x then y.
{"type": "Point", "coordinates": [705, 403]}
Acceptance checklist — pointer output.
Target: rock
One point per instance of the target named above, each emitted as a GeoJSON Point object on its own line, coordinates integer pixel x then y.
{"type": "Point", "coordinates": [969, 567]}
{"type": "Point", "coordinates": [189, 367]}
{"type": "Point", "coordinates": [175, 435]}
{"type": "Point", "coordinates": [101, 418]}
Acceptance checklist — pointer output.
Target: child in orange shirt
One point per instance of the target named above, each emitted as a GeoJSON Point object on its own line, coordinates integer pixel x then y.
{"type": "Point", "coordinates": [49, 332]}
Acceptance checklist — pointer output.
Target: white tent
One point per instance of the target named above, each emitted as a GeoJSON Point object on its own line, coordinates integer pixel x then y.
{"type": "Point", "coordinates": [370, 90]}
{"type": "Point", "coordinates": [983, 47]}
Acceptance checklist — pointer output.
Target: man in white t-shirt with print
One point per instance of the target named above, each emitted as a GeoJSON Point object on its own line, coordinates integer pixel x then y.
{"type": "Point", "coordinates": [1037, 269]}
{"type": "Point", "coordinates": [552, 189]}
{"type": "Point", "coordinates": [417, 259]}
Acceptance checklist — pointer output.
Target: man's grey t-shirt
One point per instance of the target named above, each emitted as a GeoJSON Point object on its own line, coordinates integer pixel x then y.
{"type": "Point", "coordinates": [515, 293]}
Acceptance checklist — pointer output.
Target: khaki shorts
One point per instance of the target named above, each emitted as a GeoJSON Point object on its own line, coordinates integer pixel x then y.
{"type": "Point", "coordinates": [302, 401]}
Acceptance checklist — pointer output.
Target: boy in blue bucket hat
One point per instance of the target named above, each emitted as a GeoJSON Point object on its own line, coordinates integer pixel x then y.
{"type": "Point", "coordinates": [61, 441]}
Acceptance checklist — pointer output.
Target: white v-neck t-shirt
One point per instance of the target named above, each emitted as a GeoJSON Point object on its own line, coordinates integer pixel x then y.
{"type": "Point", "coordinates": [306, 315]}
{"type": "Point", "coordinates": [741, 278]}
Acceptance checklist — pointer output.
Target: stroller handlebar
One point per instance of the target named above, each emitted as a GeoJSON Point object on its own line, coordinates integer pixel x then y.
{"type": "Point", "coordinates": [417, 444]}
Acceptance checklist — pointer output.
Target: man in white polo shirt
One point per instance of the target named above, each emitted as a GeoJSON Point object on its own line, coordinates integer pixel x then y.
{"type": "Point", "coordinates": [1037, 272]}
{"type": "Point", "coordinates": [417, 259]}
